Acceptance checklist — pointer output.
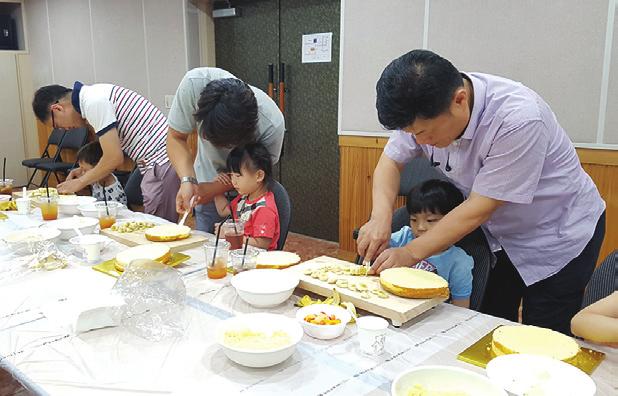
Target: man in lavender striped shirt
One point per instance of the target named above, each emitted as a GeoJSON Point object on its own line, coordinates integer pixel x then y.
{"type": "Point", "coordinates": [501, 144]}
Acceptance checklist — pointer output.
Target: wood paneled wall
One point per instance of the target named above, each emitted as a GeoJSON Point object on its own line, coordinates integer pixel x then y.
{"type": "Point", "coordinates": [359, 156]}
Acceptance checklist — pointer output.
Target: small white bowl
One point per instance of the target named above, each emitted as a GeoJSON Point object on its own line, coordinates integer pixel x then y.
{"type": "Point", "coordinates": [259, 322]}
{"type": "Point", "coordinates": [4, 197]}
{"type": "Point", "coordinates": [90, 210]}
{"type": "Point", "coordinates": [445, 379]}
{"type": "Point", "coordinates": [323, 332]}
{"type": "Point", "coordinates": [265, 288]}
{"type": "Point", "coordinates": [69, 204]}
{"type": "Point", "coordinates": [86, 225]}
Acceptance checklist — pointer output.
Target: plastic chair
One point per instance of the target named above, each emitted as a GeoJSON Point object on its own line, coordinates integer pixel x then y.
{"type": "Point", "coordinates": [604, 280]}
{"type": "Point", "coordinates": [55, 139]}
{"type": "Point", "coordinates": [284, 207]}
{"type": "Point", "coordinates": [74, 139]}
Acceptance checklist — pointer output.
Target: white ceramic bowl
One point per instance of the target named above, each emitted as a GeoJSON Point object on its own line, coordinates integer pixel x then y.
{"type": "Point", "coordinates": [265, 288]}
{"type": "Point", "coordinates": [5, 197]}
{"type": "Point", "coordinates": [323, 332]}
{"type": "Point", "coordinates": [445, 379]}
{"type": "Point", "coordinates": [86, 225]}
{"type": "Point", "coordinates": [259, 322]}
{"type": "Point", "coordinates": [522, 374]}
{"type": "Point", "coordinates": [19, 239]}
{"type": "Point", "coordinates": [90, 209]}
{"type": "Point", "coordinates": [69, 204]}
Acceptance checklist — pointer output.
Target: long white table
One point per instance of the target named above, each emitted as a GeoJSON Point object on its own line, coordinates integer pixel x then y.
{"type": "Point", "coordinates": [47, 359]}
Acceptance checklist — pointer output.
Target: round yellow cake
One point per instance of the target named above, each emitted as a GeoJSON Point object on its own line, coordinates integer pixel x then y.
{"type": "Point", "coordinates": [276, 259]}
{"type": "Point", "coordinates": [167, 233]}
{"type": "Point", "coordinates": [413, 283]}
{"type": "Point", "coordinates": [533, 340]}
{"type": "Point", "coordinates": [151, 251]}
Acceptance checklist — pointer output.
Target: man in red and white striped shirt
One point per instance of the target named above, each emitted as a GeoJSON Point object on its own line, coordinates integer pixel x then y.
{"type": "Point", "coordinates": [125, 123]}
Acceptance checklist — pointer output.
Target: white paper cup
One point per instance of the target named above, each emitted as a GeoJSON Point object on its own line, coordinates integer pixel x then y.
{"type": "Point", "coordinates": [93, 252]}
{"type": "Point", "coordinates": [23, 205]}
{"type": "Point", "coordinates": [371, 334]}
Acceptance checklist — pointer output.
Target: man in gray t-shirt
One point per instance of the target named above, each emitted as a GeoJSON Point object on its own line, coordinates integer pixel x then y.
{"type": "Point", "coordinates": [226, 112]}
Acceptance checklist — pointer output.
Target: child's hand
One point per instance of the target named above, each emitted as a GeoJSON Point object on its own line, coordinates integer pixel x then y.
{"type": "Point", "coordinates": [75, 173]}
{"type": "Point", "coordinates": [224, 178]}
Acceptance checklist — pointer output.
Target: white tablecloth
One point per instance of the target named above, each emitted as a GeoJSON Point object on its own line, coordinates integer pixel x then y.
{"type": "Point", "coordinates": [47, 359]}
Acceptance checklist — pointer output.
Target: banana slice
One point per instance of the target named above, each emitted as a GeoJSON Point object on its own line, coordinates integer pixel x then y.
{"type": "Point", "coordinates": [323, 276]}
{"type": "Point", "coordinates": [308, 271]}
{"type": "Point", "coordinates": [366, 295]}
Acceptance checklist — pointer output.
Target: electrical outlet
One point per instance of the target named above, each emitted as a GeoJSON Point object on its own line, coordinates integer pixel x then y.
{"type": "Point", "coordinates": [168, 101]}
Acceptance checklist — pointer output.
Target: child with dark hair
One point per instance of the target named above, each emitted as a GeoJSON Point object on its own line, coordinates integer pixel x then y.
{"type": "Point", "coordinates": [87, 158]}
{"type": "Point", "coordinates": [426, 205]}
{"type": "Point", "coordinates": [250, 169]}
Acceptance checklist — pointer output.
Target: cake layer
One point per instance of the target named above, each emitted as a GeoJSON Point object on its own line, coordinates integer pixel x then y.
{"type": "Point", "coordinates": [533, 340]}
{"type": "Point", "coordinates": [413, 283]}
{"type": "Point", "coordinates": [167, 233]}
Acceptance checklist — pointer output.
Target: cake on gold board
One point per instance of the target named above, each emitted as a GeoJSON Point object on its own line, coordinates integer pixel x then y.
{"type": "Point", "coordinates": [151, 251]}
{"type": "Point", "coordinates": [413, 283]}
{"type": "Point", "coordinates": [533, 340]}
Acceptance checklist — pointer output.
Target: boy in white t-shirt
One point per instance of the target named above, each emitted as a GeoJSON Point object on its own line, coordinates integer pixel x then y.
{"type": "Point", "coordinates": [88, 157]}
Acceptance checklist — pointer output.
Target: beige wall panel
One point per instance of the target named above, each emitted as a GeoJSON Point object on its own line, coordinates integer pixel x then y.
{"type": "Point", "coordinates": [611, 114]}
{"type": "Point", "coordinates": [554, 47]}
{"type": "Point", "coordinates": [71, 42]}
{"type": "Point", "coordinates": [118, 27]}
{"type": "Point", "coordinates": [375, 32]}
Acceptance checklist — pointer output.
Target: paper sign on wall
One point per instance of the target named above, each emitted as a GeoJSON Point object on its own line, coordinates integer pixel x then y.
{"type": "Point", "coordinates": [317, 47]}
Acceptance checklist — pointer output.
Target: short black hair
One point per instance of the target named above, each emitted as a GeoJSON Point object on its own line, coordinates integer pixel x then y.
{"type": "Point", "coordinates": [90, 153]}
{"type": "Point", "coordinates": [46, 96]}
{"type": "Point", "coordinates": [253, 156]}
{"type": "Point", "coordinates": [419, 84]}
{"type": "Point", "coordinates": [228, 113]}
{"type": "Point", "coordinates": [434, 196]}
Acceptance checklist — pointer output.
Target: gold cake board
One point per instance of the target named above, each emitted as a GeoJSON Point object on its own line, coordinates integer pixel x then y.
{"type": "Point", "coordinates": [480, 353]}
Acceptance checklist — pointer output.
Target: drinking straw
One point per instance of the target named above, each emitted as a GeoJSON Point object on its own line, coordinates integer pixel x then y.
{"type": "Point", "coordinates": [105, 200]}
{"type": "Point", "coordinates": [4, 172]}
{"type": "Point", "coordinates": [244, 253]}
{"type": "Point", "coordinates": [217, 240]}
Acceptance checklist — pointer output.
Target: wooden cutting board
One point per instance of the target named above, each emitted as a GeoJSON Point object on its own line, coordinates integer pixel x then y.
{"type": "Point", "coordinates": [138, 238]}
{"type": "Point", "coordinates": [399, 310]}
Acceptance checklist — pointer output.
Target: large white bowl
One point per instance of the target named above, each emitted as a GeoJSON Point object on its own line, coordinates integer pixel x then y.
{"type": "Point", "coordinates": [18, 239]}
{"type": "Point", "coordinates": [86, 225]}
{"type": "Point", "coordinates": [90, 209]}
{"type": "Point", "coordinates": [522, 374]}
{"type": "Point", "coordinates": [265, 288]}
{"type": "Point", "coordinates": [323, 332]}
{"type": "Point", "coordinates": [262, 322]}
{"type": "Point", "coordinates": [69, 204]}
{"type": "Point", "coordinates": [445, 378]}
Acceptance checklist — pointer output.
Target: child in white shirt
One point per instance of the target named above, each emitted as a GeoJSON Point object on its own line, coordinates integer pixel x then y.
{"type": "Point", "coordinates": [87, 158]}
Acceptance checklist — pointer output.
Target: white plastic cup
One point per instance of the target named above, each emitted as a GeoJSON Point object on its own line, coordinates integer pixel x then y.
{"type": "Point", "coordinates": [23, 205]}
{"type": "Point", "coordinates": [93, 252]}
{"type": "Point", "coordinates": [372, 334]}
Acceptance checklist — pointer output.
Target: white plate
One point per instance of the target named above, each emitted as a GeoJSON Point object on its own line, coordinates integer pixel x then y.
{"type": "Point", "coordinates": [522, 374]}
{"type": "Point", "coordinates": [20, 238]}
{"type": "Point", "coordinates": [445, 379]}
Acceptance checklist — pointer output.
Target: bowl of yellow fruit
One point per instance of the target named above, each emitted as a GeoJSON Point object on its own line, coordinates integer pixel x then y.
{"type": "Point", "coordinates": [323, 321]}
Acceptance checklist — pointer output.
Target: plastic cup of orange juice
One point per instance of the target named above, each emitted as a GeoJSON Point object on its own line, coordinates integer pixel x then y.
{"type": "Point", "coordinates": [216, 262]}
{"type": "Point", "coordinates": [49, 207]}
{"type": "Point", "coordinates": [107, 215]}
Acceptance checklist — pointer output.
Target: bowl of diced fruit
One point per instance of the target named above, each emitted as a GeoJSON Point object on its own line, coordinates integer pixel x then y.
{"type": "Point", "coordinates": [323, 321]}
